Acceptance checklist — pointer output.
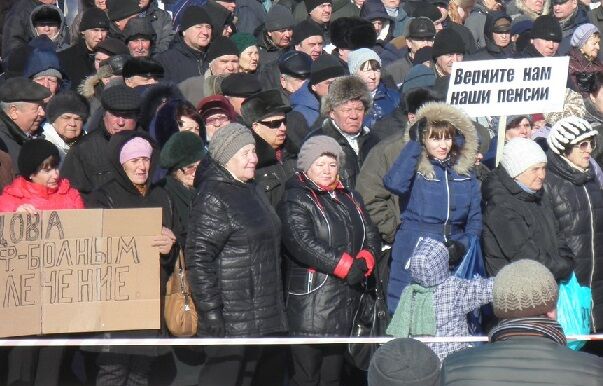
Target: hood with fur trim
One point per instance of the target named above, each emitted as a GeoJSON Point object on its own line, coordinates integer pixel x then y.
{"type": "Point", "coordinates": [438, 111]}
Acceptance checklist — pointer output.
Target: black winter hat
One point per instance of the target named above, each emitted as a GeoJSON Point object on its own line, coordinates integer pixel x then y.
{"type": "Point", "coordinates": [94, 18]}
{"type": "Point", "coordinates": [182, 149]}
{"type": "Point", "coordinates": [447, 41]}
{"type": "Point", "coordinates": [304, 30]}
{"type": "Point", "coordinates": [263, 105]}
{"type": "Point", "coordinates": [116, 63]}
{"type": "Point", "coordinates": [429, 11]}
{"type": "Point", "coordinates": [139, 27]}
{"type": "Point", "coordinates": [421, 28]}
{"type": "Point", "coordinates": [47, 14]}
{"type": "Point", "coordinates": [112, 46]}
{"type": "Point", "coordinates": [221, 46]}
{"type": "Point", "coordinates": [33, 153]}
{"type": "Point", "coordinates": [279, 17]}
{"type": "Point", "coordinates": [326, 67]}
{"type": "Point", "coordinates": [20, 89]}
{"type": "Point", "coordinates": [67, 102]}
{"type": "Point", "coordinates": [121, 9]}
{"type": "Point", "coordinates": [142, 67]}
{"type": "Point", "coordinates": [546, 27]}
{"type": "Point", "coordinates": [311, 4]}
{"type": "Point", "coordinates": [240, 85]}
{"type": "Point", "coordinates": [120, 98]}
{"type": "Point", "coordinates": [194, 15]}
{"type": "Point", "coordinates": [295, 63]}
{"type": "Point", "coordinates": [352, 33]}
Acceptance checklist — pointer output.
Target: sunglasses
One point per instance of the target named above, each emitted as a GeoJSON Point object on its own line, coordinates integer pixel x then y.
{"type": "Point", "coordinates": [274, 124]}
{"type": "Point", "coordinates": [586, 143]}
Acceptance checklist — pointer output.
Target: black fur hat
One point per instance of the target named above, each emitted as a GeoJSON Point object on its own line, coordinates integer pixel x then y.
{"type": "Point", "coordinates": [416, 98]}
{"type": "Point", "coordinates": [352, 33]}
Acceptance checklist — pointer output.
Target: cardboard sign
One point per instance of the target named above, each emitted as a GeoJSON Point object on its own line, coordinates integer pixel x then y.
{"type": "Point", "coordinates": [509, 86]}
{"type": "Point", "coordinates": [79, 271]}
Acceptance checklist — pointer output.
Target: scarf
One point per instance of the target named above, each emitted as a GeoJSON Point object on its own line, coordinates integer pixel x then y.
{"type": "Point", "coordinates": [535, 326]}
{"type": "Point", "coordinates": [415, 314]}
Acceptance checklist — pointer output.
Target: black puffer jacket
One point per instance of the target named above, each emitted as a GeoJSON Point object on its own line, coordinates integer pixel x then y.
{"type": "Point", "coordinates": [318, 228]}
{"type": "Point", "coordinates": [578, 206]}
{"type": "Point", "coordinates": [233, 255]}
{"type": "Point", "coordinates": [519, 225]}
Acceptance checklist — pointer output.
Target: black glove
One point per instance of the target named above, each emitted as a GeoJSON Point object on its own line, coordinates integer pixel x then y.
{"type": "Point", "coordinates": [357, 271]}
{"type": "Point", "coordinates": [456, 251]}
{"type": "Point", "coordinates": [212, 324]}
{"type": "Point", "coordinates": [416, 130]}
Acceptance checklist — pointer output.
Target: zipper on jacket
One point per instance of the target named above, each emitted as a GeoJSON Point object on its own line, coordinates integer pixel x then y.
{"type": "Point", "coordinates": [448, 205]}
{"type": "Point", "coordinates": [592, 255]}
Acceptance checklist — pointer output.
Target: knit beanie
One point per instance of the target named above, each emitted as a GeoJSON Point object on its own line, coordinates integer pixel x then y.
{"type": "Point", "coordinates": [279, 17]}
{"type": "Point", "coordinates": [67, 102]}
{"type": "Point", "coordinates": [546, 27]}
{"type": "Point", "coordinates": [134, 148]}
{"type": "Point", "coordinates": [326, 67]}
{"type": "Point", "coordinates": [404, 362]}
{"type": "Point", "coordinates": [582, 34]}
{"type": "Point", "coordinates": [33, 153]}
{"type": "Point", "coordinates": [182, 149]}
{"type": "Point", "coordinates": [221, 46]}
{"type": "Point", "coordinates": [311, 4]}
{"type": "Point", "coordinates": [419, 76]}
{"type": "Point", "coordinates": [567, 132]}
{"type": "Point", "coordinates": [520, 154]}
{"type": "Point", "coordinates": [227, 141]}
{"type": "Point", "coordinates": [303, 30]}
{"type": "Point", "coordinates": [193, 15]}
{"type": "Point", "coordinates": [94, 18]}
{"type": "Point", "coordinates": [522, 289]}
{"type": "Point", "coordinates": [316, 146]}
{"type": "Point", "coordinates": [243, 41]}
{"type": "Point", "coordinates": [360, 56]}
{"type": "Point", "coordinates": [121, 9]}
{"type": "Point", "coordinates": [447, 41]}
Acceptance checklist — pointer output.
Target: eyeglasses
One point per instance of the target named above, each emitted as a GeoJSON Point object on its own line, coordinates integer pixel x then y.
{"type": "Point", "coordinates": [190, 169]}
{"type": "Point", "coordinates": [194, 128]}
{"type": "Point", "coordinates": [274, 124]}
{"type": "Point", "coordinates": [216, 120]}
{"type": "Point", "coordinates": [586, 143]}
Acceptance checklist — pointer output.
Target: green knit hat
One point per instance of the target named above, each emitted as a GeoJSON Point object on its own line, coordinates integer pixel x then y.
{"type": "Point", "coordinates": [182, 149]}
{"type": "Point", "coordinates": [243, 41]}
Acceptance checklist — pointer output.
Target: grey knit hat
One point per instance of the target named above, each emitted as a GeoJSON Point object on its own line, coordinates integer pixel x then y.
{"type": "Point", "coordinates": [404, 362]}
{"type": "Point", "coordinates": [524, 288]}
{"type": "Point", "coordinates": [316, 146]}
{"type": "Point", "coordinates": [229, 140]}
{"type": "Point", "coordinates": [278, 18]}
{"type": "Point", "coordinates": [582, 34]}
{"type": "Point", "coordinates": [358, 57]}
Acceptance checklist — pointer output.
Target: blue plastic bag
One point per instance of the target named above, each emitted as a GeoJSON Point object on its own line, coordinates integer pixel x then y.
{"type": "Point", "coordinates": [573, 310]}
{"type": "Point", "coordinates": [472, 266]}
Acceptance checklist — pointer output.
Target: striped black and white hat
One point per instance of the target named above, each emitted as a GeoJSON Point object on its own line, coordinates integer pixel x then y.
{"type": "Point", "coordinates": [567, 132]}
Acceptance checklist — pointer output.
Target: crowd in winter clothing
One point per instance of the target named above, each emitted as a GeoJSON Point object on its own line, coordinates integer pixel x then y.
{"type": "Point", "coordinates": [303, 154]}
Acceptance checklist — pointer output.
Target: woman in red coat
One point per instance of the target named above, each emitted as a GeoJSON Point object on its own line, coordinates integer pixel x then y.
{"type": "Point", "coordinates": [39, 186]}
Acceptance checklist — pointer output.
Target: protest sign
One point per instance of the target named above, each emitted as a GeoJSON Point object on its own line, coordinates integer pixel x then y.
{"type": "Point", "coordinates": [79, 271]}
{"type": "Point", "coordinates": [510, 86]}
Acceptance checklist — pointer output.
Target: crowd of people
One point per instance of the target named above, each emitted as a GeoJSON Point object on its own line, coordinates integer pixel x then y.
{"type": "Point", "coordinates": [302, 151]}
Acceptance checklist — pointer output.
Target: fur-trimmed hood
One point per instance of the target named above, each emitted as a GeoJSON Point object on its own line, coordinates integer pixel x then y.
{"type": "Point", "coordinates": [438, 111]}
{"type": "Point", "coordinates": [88, 86]}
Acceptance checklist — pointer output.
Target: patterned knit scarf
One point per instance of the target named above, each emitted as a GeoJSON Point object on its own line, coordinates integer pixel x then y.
{"type": "Point", "coordinates": [536, 326]}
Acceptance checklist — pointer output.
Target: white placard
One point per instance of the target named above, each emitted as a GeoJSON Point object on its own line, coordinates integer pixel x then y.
{"type": "Point", "coordinates": [508, 86]}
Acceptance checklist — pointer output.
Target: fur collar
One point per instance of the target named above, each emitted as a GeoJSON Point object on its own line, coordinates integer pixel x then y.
{"type": "Point", "coordinates": [88, 85]}
{"type": "Point", "coordinates": [437, 111]}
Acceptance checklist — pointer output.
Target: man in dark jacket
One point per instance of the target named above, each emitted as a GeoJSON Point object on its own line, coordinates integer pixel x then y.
{"type": "Point", "coordinates": [546, 36]}
{"type": "Point", "coordinates": [346, 103]}
{"type": "Point", "coordinates": [78, 60]}
{"type": "Point", "coordinates": [140, 37]}
{"type": "Point", "coordinates": [275, 38]}
{"type": "Point", "coordinates": [186, 56]}
{"type": "Point", "coordinates": [120, 12]}
{"type": "Point", "coordinates": [528, 345]}
{"type": "Point", "coordinates": [570, 14]}
{"type": "Point", "coordinates": [86, 165]}
{"type": "Point", "coordinates": [497, 35]}
{"type": "Point", "coordinates": [21, 113]}
{"type": "Point", "coordinates": [161, 21]}
{"type": "Point", "coordinates": [16, 29]}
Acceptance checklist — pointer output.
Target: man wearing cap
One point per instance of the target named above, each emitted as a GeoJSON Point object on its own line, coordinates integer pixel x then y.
{"type": "Point", "coordinates": [161, 21]}
{"type": "Point", "coordinates": [119, 13]}
{"type": "Point", "coordinates": [306, 100]}
{"type": "Point", "coordinates": [448, 48]}
{"type": "Point", "coordinates": [527, 346]}
{"type": "Point", "coordinates": [277, 33]}
{"type": "Point", "coordinates": [294, 68]}
{"type": "Point", "coordinates": [16, 30]}
{"type": "Point", "coordinates": [140, 37]}
{"type": "Point", "coordinates": [320, 12]}
{"type": "Point", "coordinates": [308, 38]}
{"type": "Point", "coordinates": [142, 72]}
{"type": "Point", "coordinates": [570, 14]}
{"type": "Point", "coordinates": [21, 113]}
{"type": "Point", "coordinates": [186, 56]}
{"type": "Point", "coordinates": [545, 40]}
{"type": "Point", "coordinates": [344, 107]}
{"type": "Point", "coordinates": [421, 33]}
{"type": "Point", "coordinates": [238, 87]}
{"type": "Point", "coordinates": [107, 49]}
{"type": "Point", "coordinates": [87, 165]}
{"type": "Point", "coordinates": [476, 21]}
{"type": "Point", "coordinates": [77, 61]}
{"type": "Point", "coordinates": [497, 35]}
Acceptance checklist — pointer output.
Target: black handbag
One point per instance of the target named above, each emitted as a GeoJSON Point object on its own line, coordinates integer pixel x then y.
{"type": "Point", "coordinates": [370, 320]}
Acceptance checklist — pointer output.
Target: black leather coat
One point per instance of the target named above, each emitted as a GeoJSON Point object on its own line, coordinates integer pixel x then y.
{"type": "Point", "coordinates": [578, 206]}
{"type": "Point", "coordinates": [233, 255]}
{"type": "Point", "coordinates": [318, 228]}
{"type": "Point", "coordinates": [519, 225]}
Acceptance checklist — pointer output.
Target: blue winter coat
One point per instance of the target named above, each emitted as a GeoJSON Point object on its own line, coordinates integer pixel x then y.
{"type": "Point", "coordinates": [385, 102]}
{"type": "Point", "coordinates": [434, 196]}
{"type": "Point", "coordinates": [305, 102]}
